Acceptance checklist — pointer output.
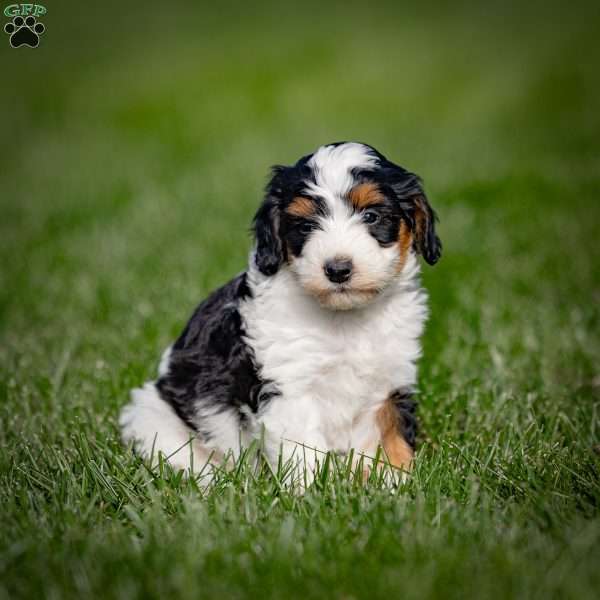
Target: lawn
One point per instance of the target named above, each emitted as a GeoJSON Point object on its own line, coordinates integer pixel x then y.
{"type": "Point", "coordinates": [136, 140]}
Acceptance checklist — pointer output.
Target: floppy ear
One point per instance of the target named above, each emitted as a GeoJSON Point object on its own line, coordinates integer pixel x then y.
{"type": "Point", "coordinates": [269, 249]}
{"type": "Point", "coordinates": [409, 191]}
{"type": "Point", "coordinates": [426, 240]}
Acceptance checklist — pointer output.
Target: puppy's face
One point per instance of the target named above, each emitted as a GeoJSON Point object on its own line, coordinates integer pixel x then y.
{"type": "Point", "coordinates": [344, 221]}
{"type": "Point", "coordinates": [346, 248]}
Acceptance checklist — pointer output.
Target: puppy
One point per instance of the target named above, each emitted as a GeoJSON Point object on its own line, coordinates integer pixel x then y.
{"type": "Point", "coordinates": [313, 347]}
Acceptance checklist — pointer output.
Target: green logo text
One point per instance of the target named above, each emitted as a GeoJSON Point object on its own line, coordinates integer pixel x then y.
{"type": "Point", "coordinates": [15, 10]}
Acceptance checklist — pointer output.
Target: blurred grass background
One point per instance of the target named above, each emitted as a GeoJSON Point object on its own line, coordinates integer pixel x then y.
{"type": "Point", "coordinates": [136, 140]}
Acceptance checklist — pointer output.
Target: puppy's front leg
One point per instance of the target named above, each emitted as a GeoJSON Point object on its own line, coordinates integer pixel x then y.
{"type": "Point", "coordinates": [291, 433]}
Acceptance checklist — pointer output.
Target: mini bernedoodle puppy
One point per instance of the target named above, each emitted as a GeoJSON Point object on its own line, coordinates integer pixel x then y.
{"type": "Point", "coordinates": [313, 348]}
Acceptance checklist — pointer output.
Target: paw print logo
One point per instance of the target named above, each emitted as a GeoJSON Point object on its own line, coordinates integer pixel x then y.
{"type": "Point", "coordinates": [24, 32]}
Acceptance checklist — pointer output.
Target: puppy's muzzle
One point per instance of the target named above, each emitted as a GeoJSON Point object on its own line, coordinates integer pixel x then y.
{"type": "Point", "coordinates": [338, 270]}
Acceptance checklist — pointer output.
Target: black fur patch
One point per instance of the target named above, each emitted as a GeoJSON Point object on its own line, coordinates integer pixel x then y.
{"type": "Point", "coordinates": [210, 366]}
{"type": "Point", "coordinates": [286, 183]}
{"type": "Point", "coordinates": [386, 229]}
{"type": "Point", "coordinates": [295, 230]}
{"type": "Point", "coordinates": [406, 409]}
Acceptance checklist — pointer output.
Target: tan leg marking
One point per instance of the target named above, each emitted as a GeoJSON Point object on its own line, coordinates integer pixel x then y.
{"type": "Point", "coordinates": [397, 449]}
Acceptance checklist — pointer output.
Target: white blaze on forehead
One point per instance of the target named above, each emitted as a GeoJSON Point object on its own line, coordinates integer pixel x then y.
{"type": "Point", "coordinates": [332, 166]}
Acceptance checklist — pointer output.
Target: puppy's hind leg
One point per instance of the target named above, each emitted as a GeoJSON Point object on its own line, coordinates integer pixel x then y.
{"type": "Point", "coordinates": [153, 427]}
{"type": "Point", "coordinates": [388, 435]}
{"type": "Point", "coordinates": [398, 426]}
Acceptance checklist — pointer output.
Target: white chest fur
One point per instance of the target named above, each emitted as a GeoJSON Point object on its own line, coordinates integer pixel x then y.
{"type": "Point", "coordinates": [333, 369]}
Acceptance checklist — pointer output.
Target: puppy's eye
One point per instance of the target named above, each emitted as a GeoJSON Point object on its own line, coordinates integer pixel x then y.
{"type": "Point", "coordinates": [306, 227]}
{"type": "Point", "coordinates": [370, 217]}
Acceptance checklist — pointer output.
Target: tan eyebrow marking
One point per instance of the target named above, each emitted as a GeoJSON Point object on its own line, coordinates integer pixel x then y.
{"type": "Point", "coordinates": [365, 194]}
{"type": "Point", "coordinates": [301, 207]}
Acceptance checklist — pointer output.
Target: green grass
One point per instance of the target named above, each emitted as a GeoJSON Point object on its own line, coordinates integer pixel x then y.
{"type": "Point", "coordinates": [135, 143]}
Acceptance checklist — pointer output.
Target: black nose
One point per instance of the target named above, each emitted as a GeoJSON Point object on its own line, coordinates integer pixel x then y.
{"type": "Point", "coordinates": [338, 270]}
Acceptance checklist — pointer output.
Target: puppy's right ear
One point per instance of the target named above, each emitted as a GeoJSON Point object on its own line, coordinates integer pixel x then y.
{"type": "Point", "coordinates": [269, 247]}
{"type": "Point", "coordinates": [269, 251]}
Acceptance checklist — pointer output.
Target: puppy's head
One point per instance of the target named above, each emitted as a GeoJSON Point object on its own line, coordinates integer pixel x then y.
{"type": "Point", "coordinates": [344, 220]}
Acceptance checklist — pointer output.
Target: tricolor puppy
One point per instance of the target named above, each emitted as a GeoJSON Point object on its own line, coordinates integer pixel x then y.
{"type": "Point", "coordinates": [315, 343]}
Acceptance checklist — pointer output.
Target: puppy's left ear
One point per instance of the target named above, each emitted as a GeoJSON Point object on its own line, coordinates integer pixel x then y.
{"type": "Point", "coordinates": [426, 240]}
{"type": "Point", "coordinates": [409, 191]}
